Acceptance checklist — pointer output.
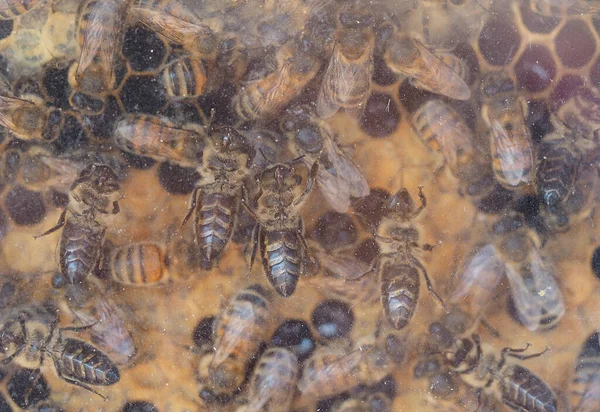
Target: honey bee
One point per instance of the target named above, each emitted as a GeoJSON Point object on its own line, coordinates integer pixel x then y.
{"type": "Point", "coordinates": [537, 297]}
{"type": "Point", "coordinates": [516, 386]}
{"type": "Point", "coordinates": [96, 190]}
{"type": "Point", "coordinates": [267, 96]}
{"type": "Point", "coordinates": [409, 57]}
{"type": "Point", "coordinates": [443, 129]}
{"type": "Point", "coordinates": [29, 334]}
{"type": "Point", "coordinates": [100, 30]}
{"type": "Point", "coordinates": [565, 7]}
{"type": "Point", "coordinates": [153, 137]}
{"type": "Point", "coordinates": [184, 77]}
{"type": "Point", "coordinates": [177, 23]}
{"type": "Point", "coordinates": [580, 115]}
{"type": "Point", "coordinates": [347, 80]}
{"type": "Point", "coordinates": [11, 9]}
{"type": "Point", "coordinates": [585, 385]}
{"type": "Point", "coordinates": [139, 264]}
{"type": "Point", "coordinates": [374, 402]}
{"type": "Point", "coordinates": [457, 65]}
{"type": "Point", "coordinates": [28, 118]}
{"type": "Point", "coordinates": [504, 113]}
{"type": "Point", "coordinates": [92, 306]}
{"type": "Point", "coordinates": [238, 333]}
{"type": "Point", "coordinates": [331, 371]}
{"type": "Point", "coordinates": [88, 91]}
{"type": "Point", "coordinates": [338, 178]}
{"type": "Point", "coordinates": [280, 230]}
{"type": "Point", "coordinates": [273, 382]}
{"type": "Point", "coordinates": [397, 265]}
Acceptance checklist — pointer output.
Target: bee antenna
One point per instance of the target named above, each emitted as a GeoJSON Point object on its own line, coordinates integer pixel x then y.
{"type": "Point", "coordinates": [297, 160]}
{"type": "Point", "coordinates": [260, 150]}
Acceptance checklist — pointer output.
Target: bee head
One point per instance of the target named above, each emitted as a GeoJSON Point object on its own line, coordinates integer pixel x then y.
{"type": "Point", "coordinates": [401, 204]}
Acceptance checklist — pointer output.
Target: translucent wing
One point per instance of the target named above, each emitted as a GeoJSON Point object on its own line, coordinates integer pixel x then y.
{"type": "Point", "coordinates": [515, 158]}
{"type": "Point", "coordinates": [528, 311]}
{"type": "Point", "coordinates": [229, 340]}
{"type": "Point", "coordinates": [7, 106]}
{"type": "Point", "coordinates": [175, 29]}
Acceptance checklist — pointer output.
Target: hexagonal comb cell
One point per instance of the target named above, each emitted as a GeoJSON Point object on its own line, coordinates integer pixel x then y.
{"type": "Point", "coordinates": [535, 69]}
{"type": "Point", "coordinates": [575, 44]}
{"type": "Point", "coordinates": [499, 41]}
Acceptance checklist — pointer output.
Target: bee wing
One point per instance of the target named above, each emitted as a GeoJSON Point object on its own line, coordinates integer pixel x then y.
{"type": "Point", "coordinates": [7, 106]}
{"type": "Point", "coordinates": [275, 93]}
{"type": "Point", "coordinates": [549, 295]}
{"type": "Point", "coordinates": [479, 278]}
{"type": "Point", "coordinates": [64, 171]}
{"type": "Point", "coordinates": [528, 311]}
{"type": "Point", "coordinates": [589, 400]}
{"type": "Point", "coordinates": [510, 155]}
{"type": "Point", "coordinates": [348, 267]}
{"type": "Point", "coordinates": [227, 343]}
{"type": "Point", "coordinates": [327, 104]}
{"type": "Point", "coordinates": [342, 180]}
{"type": "Point", "coordinates": [173, 28]}
{"type": "Point", "coordinates": [434, 75]}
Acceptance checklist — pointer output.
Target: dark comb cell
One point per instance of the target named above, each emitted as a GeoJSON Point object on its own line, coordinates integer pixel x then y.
{"type": "Point", "coordinates": [367, 251]}
{"type": "Point", "coordinates": [295, 335]}
{"type": "Point", "coordinates": [25, 207]}
{"type": "Point", "coordinates": [4, 406]}
{"type": "Point", "coordinates": [596, 24]}
{"type": "Point", "coordinates": [566, 88]}
{"type": "Point", "coordinates": [382, 75]}
{"type": "Point", "coordinates": [442, 385]}
{"type": "Point", "coordinates": [138, 162]}
{"type": "Point", "coordinates": [143, 94]}
{"type": "Point", "coordinates": [575, 44]}
{"type": "Point", "coordinates": [203, 333]}
{"type": "Point", "coordinates": [182, 112]}
{"type": "Point", "coordinates": [539, 120]}
{"type": "Point", "coordinates": [177, 180]}
{"type": "Point", "coordinates": [335, 230]}
{"type": "Point", "coordinates": [56, 84]}
{"type": "Point", "coordinates": [396, 347]}
{"type": "Point", "coordinates": [370, 209]}
{"type": "Point", "coordinates": [27, 85]}
{"type": "Point", "coordinates": [494, 203]}
{"type": "Point", "coordinates": [412, 98]}
{"type": "Point", "coordinates": [535, 69]}
{"type": "Point", "coordinates": [101, 126]}
{"type": "Point", "coordinates": [535, 22]}
{"type": "Point", "coordinates": [466, 53]}
{"type": "Point", "coordinates": [72, 136]}
{"type": "Point", "coordinates": [596, 262]}
{"type": "Point", "coordinates": [595, 73]}
{"type": "Point", "coordinates": [139, 406]}
{"type": "Point", "coordinates": [143, 49]}
{"type": "Point", "coordinates": [499, 41]}
{"type": "Point", "coordinates": [333, 319]}
{"type": "Point", "coordinates": [6, 28]}
{"type": "Point", "coordinates": [28, 387]}
{"type": "Point", "coordinates": [381, 116]}
{"type": "Point", "coordinates": [220, 101]}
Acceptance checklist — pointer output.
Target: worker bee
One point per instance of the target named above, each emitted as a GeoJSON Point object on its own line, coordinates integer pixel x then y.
{"type": "Point", "coordinates": [156, 138]}
{"type": "Point", "coordinates": [409, 57]}
{"type": "Point", "coordinates": [138, 264]}
{"type": "Point", "coordinates": [96, 190]}
{"type": "Point", "coordinates": [537, 297]}
{"type": "Point", "coordinates": [279, 233]}
{"type": "Point", "coordinates": [458, 66]}
{"type": "Point", "coordinates": [444, 130]}
{"type": "Point", "coordinates": [565, 7]}
{"type": "Point", "coordinates": [29, 334]}
{"type": "Point", "coordinates": [267, 96]}
{"type": "Point", "coordinates": [238, 333]}
{"type": "Point", "coordinates": [11, 9]}
{"type": "Point", "coordinates": [365, 402]}
{"type": "Point", "coordinates": [580, 115]}
{"type": "Point", "coordinates": [516, 386]}
{"type": "Point", "coordinates": [331, 371]}
{"type": "Point", "coordinates": [174, 21]}
{"type": "Point", "coordinates": [273, 382]}
{"type": "Point", "coordinates": [347, 80]}
{"type": "Point", "coordinates": [397, 265]}
{"type": "Point", "coordinates": [338, 178]}
{"type": "Point", "coordinates": [504, 113]}
{"type": "Point", "coordinates": [100, 31]}
{"type": "Point", "coordinates": [585, 385]}
{"type": "Point", "coordinates": [92, 306]}
{"type": "Point", "coordinates": [28, 118]}
{"type": "Point", "coordinates": [184, 77]}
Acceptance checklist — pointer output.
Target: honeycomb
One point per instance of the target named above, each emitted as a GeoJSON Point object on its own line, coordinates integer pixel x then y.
{"type": "Point", "coordinates": [548, 57]}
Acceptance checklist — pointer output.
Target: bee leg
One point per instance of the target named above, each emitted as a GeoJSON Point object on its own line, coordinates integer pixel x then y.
{"type": "Point", "coordinates": [256, 232]}
{"type": "Point", "coordinates": [80, 384]}
{"type": "Point", "coordinates": [514, 353]}
{"type": "Point", "coordinates": [249, 210]}
{"type": "Point", "coordinates": [428, 248]}
{"type": "Point", "coordinates": [116, 208]}
{"type": "Point", "coordinates": [300, 234]}
{"type": "Point", "coordinates": [372, 270]}
{"type": "Point", "coordinates": [59, 224]}
{"type": "Point", "coordinates": [423, 203]}
{"type": "Point", "coordinates": [419, 265]}
{"type": "Point", "coordinates": [79, 328]}
{"type": "Point", "coordinates": [309, 183]}
{"type": "Point", "coordinates": [192, 206]}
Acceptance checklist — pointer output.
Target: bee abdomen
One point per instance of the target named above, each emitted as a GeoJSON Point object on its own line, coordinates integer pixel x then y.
{"type": "Point", "coordinates": [216, 215]}
{"type": "Point", "coordinates": [556, 173]}
{"type": "Point", "coordinates": [82, 362]}
{"type": "Point", "coordinates": [524, 391]}
{"type": "Point", "coordinates": [80, 246]}
{"type": "Point", "coordinates": [185, 77]}
{"type": "Point", "coordinates": [15, 8]}
{"type": "Point", "coordinates": [136, 264]}
{"type": "Point", "coordinates": [282, 259]}
{"type": "Point", "coordinates": [399, 293]}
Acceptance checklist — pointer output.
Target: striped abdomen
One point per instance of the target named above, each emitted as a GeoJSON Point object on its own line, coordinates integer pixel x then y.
{"type": "Point", "coordinates": [282, 254]}
{"type": "Point", "coordinates": [330, 373]}
{"type": "Point", "coordinates": [81, 362]}
{"type": "Point", "coordinates": [185, 77]}
{"type": "Point", "coordinates": [79, 248]}
{"type": "Point", "coordinates": [399, 293]}
{"type": "Point", "coordinates": [556, 172]}
{"type": "Point", "coordinates": [524, 391]}
{"type": "Point", "coordinates": [216, 215]}
{"type": "Point", "coordinates": [11, 9]}
{"type": "Point", "coordinates": [138, 264]}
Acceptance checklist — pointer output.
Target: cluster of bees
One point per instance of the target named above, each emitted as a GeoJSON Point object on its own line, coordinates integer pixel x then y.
{"type": "Point", "coordinates": [258, 157]}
